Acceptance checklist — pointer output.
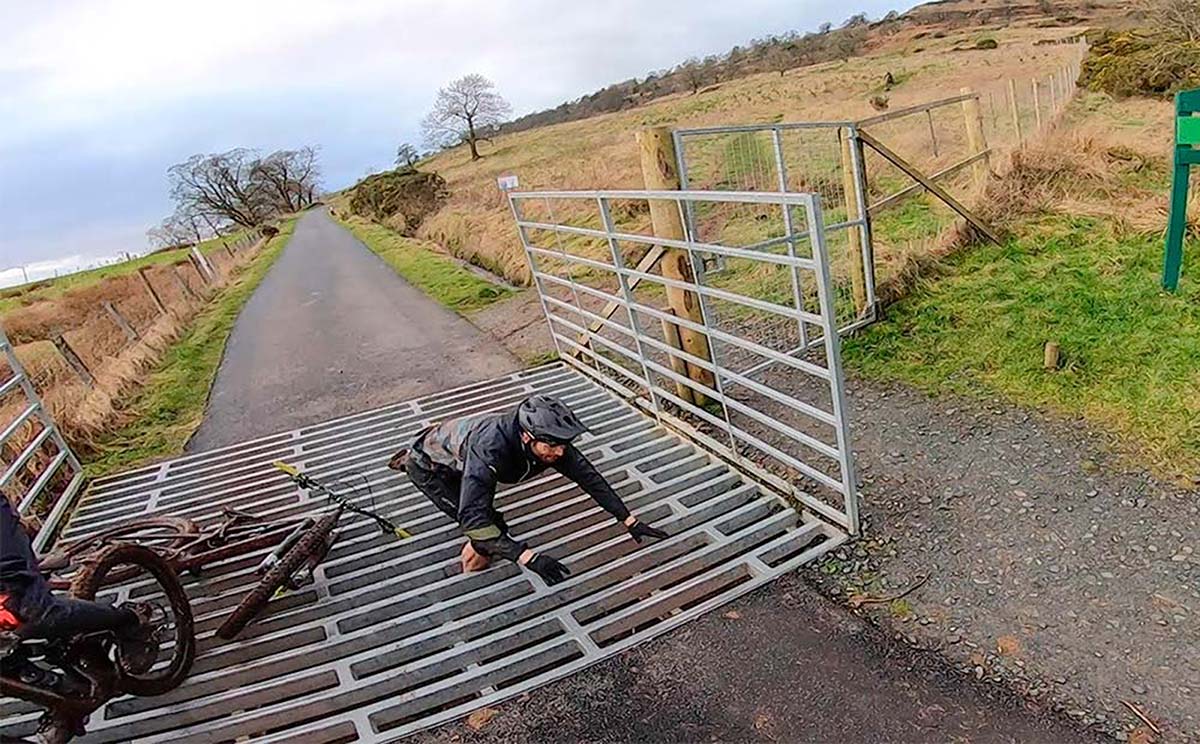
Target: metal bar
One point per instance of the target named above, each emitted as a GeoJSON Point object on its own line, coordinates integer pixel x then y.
{"type": "Point", "coordinates": [887, 201]}
{"type": "Point", "coordinates": [18, 421]}
{"type": "Point", "coordinates": [740, 128]}
{"type": "Point", "coordinates": [681, 244]}
{"type": "Point", "coordinates": [918, 108]}
{"type": "Point", "coordinates": [606, 220]}
{"type": "Point", "coordinates": [866, 236]}
{"type": "Point", "coordinates": [932, 133]}
{"type": "Point", "coordinates": [45, 536]}
{"type": "Point", "coordinates": [40, 484]}
{"type": "Point", "coordinates": [10, 383]}
{"type": "Point", "coordinates": [533, 271]}
{"type": "Point", "coordinates": [833, 357]}
{"type": "Point", "coordinates": [748, 197]}
{"type": "Point", "coordinates": [789, 228]}
{"type": "Point", "coordinates": [719, 294]}
{"type": "Point", "coordinates": [937, 191]}
{"type": "Point", "coordinates": [23, 458]}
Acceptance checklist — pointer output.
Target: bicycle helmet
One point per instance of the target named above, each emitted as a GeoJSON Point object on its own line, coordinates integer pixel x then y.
{"type": "Point", "coordinates": [548, 419]}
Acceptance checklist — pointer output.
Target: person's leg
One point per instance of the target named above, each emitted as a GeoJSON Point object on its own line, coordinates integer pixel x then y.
{"type": "Point", "coordinates": [440, 485]}
{"type": "Point", "coordinates": [63, 616]}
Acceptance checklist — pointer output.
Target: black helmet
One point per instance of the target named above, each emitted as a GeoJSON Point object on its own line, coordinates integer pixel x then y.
{"type": "Point", "coordinates": [548, 419]}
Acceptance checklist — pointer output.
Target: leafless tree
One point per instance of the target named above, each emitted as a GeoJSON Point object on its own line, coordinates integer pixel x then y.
{"type": "Point", "coordinates": [406, 156]}
{"type": "Point", "coordinates": [464, 109]}
{"type": "Point", "coordinates": [288, 178]}
{"type": "Point", "coordinates": [1176, 17]}
{"type": "Point", "coordinates": [693, 73]}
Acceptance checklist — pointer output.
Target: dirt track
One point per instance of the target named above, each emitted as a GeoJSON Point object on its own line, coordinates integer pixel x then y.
{"type": "Point", "coordinates": [333, 330]}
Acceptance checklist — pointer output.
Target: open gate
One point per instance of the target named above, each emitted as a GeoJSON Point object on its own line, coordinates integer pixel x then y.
{"type": "Point", "coordinates": [755, 375]}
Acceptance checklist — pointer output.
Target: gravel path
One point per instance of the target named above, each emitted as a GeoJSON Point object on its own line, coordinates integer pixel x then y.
{"type": "Point", "coordinates": [1034, 541]}
{"type": "Point", "coordinates": [333, 330]}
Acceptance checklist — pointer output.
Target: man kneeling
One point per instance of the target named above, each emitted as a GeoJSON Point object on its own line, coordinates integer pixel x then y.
{"type": "Point", "coordinates": [458, 463]}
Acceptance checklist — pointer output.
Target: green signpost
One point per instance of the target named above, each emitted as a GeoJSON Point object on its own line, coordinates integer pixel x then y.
{"type": "Point", "coordinates": [1187, 154]}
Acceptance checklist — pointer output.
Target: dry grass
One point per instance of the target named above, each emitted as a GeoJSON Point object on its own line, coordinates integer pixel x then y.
{"type": "Point", "coordinates": [599, 152]}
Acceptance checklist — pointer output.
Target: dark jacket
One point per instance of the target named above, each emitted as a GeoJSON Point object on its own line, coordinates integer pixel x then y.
{"type": "Point", "coordinates": [19, 577]}
{"type": "Point", "coordinates": [487, 449]}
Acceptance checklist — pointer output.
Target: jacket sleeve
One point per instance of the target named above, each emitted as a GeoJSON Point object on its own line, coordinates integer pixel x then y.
{"type": "Point", "coordinates": [577, 467]}
{"type": "Point", "coordinates": [475, 512]}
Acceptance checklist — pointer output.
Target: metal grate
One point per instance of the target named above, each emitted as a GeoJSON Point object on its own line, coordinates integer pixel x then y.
{"type": "Point", "coordinates": [392, 639]}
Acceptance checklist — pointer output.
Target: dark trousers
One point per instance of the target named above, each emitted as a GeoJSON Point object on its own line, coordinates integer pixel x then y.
{"type": "Point", "coordinates": [441, 485]}
{"type": "Point", "coordinates": [61, 616]}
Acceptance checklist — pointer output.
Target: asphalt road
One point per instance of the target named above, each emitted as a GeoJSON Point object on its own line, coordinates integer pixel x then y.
{"type": "Point", "coordinates": [332, 330]}
{"type": "Point", "coordinates": [779, 665]}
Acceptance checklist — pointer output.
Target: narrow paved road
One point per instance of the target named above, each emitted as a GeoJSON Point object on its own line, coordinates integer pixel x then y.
{"type": "Point", "coordinates": [333, 330]}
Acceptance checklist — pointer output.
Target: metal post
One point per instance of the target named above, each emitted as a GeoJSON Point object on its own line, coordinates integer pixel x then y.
{"type": "Point", "coordinates": [833, 359]}
{"type": "Point", "coordinates": [865, 237]}
{"type": "Point", "coordinates": [627, 293]}
{"type": "Point", "coordinates": [850, 193]}
{"type": "Point", "coordinates": [797, 283]}
{"type": "Point", "coordinates": [533, 272]}
{"type": "Point", "coordinates": [932, 133]}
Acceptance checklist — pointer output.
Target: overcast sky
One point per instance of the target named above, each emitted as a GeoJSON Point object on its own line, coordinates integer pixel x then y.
{"type": "Point", "coordinates": [98, 98]}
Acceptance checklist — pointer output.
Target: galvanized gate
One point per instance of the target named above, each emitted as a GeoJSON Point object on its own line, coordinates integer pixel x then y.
{"type": "Point", "coordinates": [41, 475]}
{"type": "Point", "coordinates": [758, 379]}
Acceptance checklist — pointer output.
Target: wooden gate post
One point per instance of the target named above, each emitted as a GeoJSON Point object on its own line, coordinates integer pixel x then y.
{"type": "Point", "coordinates": [74, 361]}
{"type": "Point", "coordinates": [976, 139]}
{"type": "Point", "coordinates": [150, 288]}
{"type": "Point", "coordinates": [120, 320]}
{"type": "Point", "coordinates": [858, 276]}
{"type": "Point", "coordinates": [659, 173]}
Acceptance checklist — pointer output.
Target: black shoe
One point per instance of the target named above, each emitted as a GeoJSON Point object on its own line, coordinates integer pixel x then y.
{"type": "Point", "coordinates": [137, 650]}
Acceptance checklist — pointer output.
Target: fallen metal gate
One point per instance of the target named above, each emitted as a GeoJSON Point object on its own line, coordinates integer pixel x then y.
{"type": "Point", "coordinates": [766, 349]}
{"type": "Point", "coordinates": [391, 638]}
{"type": "Point", "coordinates": [40, 473]}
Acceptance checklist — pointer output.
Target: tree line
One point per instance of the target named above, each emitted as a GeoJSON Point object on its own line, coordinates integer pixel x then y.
{"type": "Point", "coordinates": [218, 193]}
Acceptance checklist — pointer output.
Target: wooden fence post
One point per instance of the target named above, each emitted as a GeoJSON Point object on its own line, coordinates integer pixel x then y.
{"type": "Point", "coordinates": [204, 277]}
{"type": "Point", "coordinates": [657, 150]}
{"type": "Point", "coordinates": [976, 139]}
{"type": "Point", "coordinates": [150, 288]}
{"type": "Point", "coordinates": [1016, 114]}
{"type": "Point", "coordinates": [184, 289]}
{"type": "Point", "coordinates": [74, 361]}
{"type": "Point", "coordinates": [858, 276]}
{"type": "Point", "coordinates": [203, 266]}
{"type": "Point", "coordinates": [1037, 105]}
{"type": "Point", "coordinates": [120, 320]}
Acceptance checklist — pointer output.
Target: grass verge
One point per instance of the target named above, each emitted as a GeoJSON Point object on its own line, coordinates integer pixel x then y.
{"type": "Point", "coordinates": [433, 273]}
{"type": "Point", "coordinates": [1129, 350]}
{"type": "Point", "coordinates": [171, 404]}
{"type": "Point", "coordinates": [45, 289]}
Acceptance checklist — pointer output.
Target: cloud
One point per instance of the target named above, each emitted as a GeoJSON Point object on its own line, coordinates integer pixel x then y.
{"type": "Point", "coordinates": [99, 97]}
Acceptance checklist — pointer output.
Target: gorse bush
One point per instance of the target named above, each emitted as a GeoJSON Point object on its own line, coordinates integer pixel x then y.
{"type": "Point", "coordinates": [1141, 63]}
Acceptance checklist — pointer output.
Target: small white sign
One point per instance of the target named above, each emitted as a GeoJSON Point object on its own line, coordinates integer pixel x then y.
{"type": "Point", "coordinates": [507, 183]}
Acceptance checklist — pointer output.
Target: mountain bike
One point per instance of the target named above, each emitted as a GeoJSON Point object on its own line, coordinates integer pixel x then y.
{"type": "Point", "coordinates": [74, 676]}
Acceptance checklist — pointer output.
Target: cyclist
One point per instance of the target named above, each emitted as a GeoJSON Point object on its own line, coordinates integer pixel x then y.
{"type": "Point", "coordinates": [29, 610]}
{"type": "Point", "coordinates": [458, 463]}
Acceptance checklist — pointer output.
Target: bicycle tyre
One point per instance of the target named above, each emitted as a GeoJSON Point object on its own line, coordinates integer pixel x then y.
{"type": "Point", "coordinates": [309, 544]}
{"type": "Point", "coordinates": [91, 577]}
{"type": "Point", "coordinates": [177, 533]}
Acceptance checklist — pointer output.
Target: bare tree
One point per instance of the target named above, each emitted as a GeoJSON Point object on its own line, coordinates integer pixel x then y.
{"type": "Point", "coordinates": [693, 73]}
{"type": "Point", "coordinates": [288, 178]}
{"type": "Point", "coordinates": [1176, 17]}
{"type": "Point", "coordinates": [462, 110]}
{"type": "Point", "coordinates": [406, 156]}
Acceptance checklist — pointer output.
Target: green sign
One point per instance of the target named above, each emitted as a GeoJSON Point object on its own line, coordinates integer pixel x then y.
{"type": "Point", "coordinates": [1187, 154]}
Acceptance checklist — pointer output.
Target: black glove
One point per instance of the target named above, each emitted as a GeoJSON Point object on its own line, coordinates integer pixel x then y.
{"type": "Point", "coordinates": [549, 569]}
{"type": "Point", "coordinates": [639, 530]}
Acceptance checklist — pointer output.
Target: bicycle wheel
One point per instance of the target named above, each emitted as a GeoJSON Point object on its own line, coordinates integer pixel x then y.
{"type": "Point", "coordinates": [310, 544]}
{"type": "Point", "coordinates": [163, 533]}
{"type": "Point", "coordinates": [143, 560]}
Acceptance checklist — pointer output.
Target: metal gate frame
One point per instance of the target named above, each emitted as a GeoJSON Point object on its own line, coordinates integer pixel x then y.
{"type": "Point", "coordinates": [35, 410]}
{"type": "Point", "coordinates": [567, 321]}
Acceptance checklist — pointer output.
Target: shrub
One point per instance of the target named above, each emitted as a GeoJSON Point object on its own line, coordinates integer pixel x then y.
{"type": "Point", "coordinates": [402, 198]}
{"type": "Point", "coordinates": [986, 43]}
{"type": "Point", "coordinates": [1133, 63]}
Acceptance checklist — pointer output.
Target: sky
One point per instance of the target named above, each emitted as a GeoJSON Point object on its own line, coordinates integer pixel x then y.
{"type": "Point", "coordinates": [99, 97]}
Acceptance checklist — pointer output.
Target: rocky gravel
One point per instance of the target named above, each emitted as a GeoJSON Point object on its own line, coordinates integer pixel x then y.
{"type": "Point", "coordinates": [1042, 560]}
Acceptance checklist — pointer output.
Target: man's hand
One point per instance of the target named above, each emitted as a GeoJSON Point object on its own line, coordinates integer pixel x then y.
{"type": "Point", "coordinates": [640, 530]}
{"type": "Point", "coordinates": [549, 569]}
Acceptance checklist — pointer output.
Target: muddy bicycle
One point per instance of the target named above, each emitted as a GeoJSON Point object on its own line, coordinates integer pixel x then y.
{"type": "Point", "coordinates": [299, 543]}
{"type": "Point", "coordinates": [74, 676]}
